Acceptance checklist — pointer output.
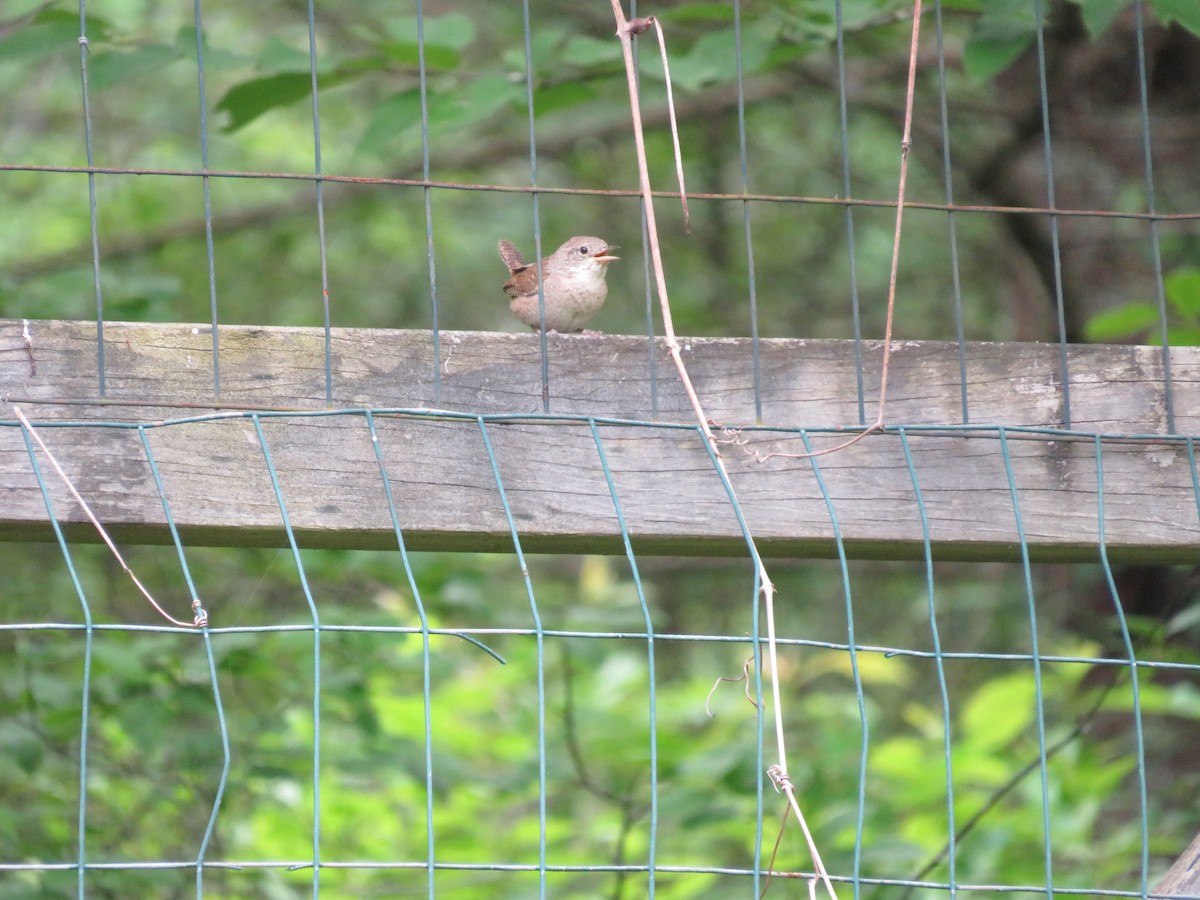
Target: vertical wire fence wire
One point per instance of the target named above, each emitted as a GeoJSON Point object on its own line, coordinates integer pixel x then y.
{"type": "Point", "coordinates": [843, 121]}
{"type": "Point", "coordinates": [1191, 454]}
{"type": "Point", "coordinates": [1160, 295]}
{"type": "Point", "coordinates": [756, 349]}
{"type": "Point", "coordinates": [212, 665]}
{"type": "Point", "coordinates": [427, 192]}
{"type": "Point", "coordinates": [85, 704]}
{"type": "Point", "coordinates": [426, 661]}
{"type": "Point", "coordinates": [537, 219]}
{"type": "Point", "coordinates": [851, 646]}
{"type": "Point", "coordinates": [1131, 654]}
{"type": "Point", "coordinates": [651, 855]}
{"type": "Point", "coordinates": [92, 214]}
{"type": "Point", "coordinates": [951, 222]}
{"type": "Point", "coordinates": [1039, 699]}
{"type": "Point", "coordinates": [938, 661]}
{"type": "Point", "coordinates": [207, 189]}
{"type": "Point", "coordinates": [211, 826]}
{"type": "Point", "coordinates": [316, 628]}
{"type": "Point", "coordinates": [539, 636]}
{"type": "Point", "coordinates": [1055, 249]}
{"type": "Point", "coordinates": [320, 197]}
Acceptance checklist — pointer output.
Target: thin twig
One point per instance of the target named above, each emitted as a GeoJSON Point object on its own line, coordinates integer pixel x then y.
{"type": "Point", "coordinates": [625, 32]}
{"type": "Point", "coordinates": [774, 852]}
{"type": "Point", "coordinates": [96, 522]}
{"type": "Point", "coordinates": [744, 677]}
{"type": "Point", "coordinates": [905, 146]}
{"type": "Point", "coordinates": [635, 28]}
{"type": "Point", "coordinates": [733, 436]}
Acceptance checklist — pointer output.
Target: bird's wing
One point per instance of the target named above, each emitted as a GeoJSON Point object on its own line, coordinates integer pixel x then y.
{"type": "Point", "coordinates": [511, 256]}
{"type": "Point", "coordinates": [523, 283]}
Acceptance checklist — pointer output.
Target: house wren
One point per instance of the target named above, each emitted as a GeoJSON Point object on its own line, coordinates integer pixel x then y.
{"type": "Point", "coordinates": [572, 282]}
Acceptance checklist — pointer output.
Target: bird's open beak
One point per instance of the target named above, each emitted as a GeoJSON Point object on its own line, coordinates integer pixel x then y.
{"type": "Point", "coordinates": [604, 256]}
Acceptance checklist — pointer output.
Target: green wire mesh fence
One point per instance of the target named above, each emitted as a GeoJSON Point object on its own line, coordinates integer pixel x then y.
{"type": "Point", "coordinates": [976, 702]}
{"type": "Point", "coordinates": [401, 751]}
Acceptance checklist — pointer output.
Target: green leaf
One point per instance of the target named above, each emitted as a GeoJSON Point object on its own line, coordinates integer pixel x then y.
{"type": "Point", "coordinates": [476, 102]}
{"type": "Point", "coordinates": [1120, 322]}
{"type": "Point", "coordinates": [464, 107]}
{"type": "Point", "coordinates": [1185, 12]}
{"type": "Point", "coordinates": [393, 116]}
{"type": "Point", "coordinates": [984, 58]}
{"type": "Point", "coordinates": [565, 95]}
{"type": "Point", "coordinates": [1153, 699]}
{"type": "Point", "coordinates": [712, 58]}
{"type": "Point", "coordinates": [1000, 35]}
{"type": "Point", "coordinates": [247, 101]}
{"type": "Point", "coordinates": [912, 772]}
{"type": "Point", "coordinates": [408, 53]}
{"type": "Point", "coordinates": [1182, 288]}
{"type": "Point", "coordinates": [50, 33]}
{"type": "Point", "coordinates": [1179, 336]}
{"type": "Point", "coordinates": [1099, 14]}
{"type": "Point", "coordinates": [999, 711]}
{"type": "Point", "coordinates": [445, 38]}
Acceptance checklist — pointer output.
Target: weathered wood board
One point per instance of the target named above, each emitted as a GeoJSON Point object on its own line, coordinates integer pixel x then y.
{"type": "Point", "coordinates": [220, 489]}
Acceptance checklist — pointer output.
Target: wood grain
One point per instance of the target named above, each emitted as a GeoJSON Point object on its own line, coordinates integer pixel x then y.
{"type": "Point", "coordinates": [220, 489]}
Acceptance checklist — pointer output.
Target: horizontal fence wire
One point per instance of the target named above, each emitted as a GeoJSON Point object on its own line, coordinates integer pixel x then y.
{"type": "Point", "coordinates": [739, 197]}
{"type": "Point", "coordinates": [303, 754]}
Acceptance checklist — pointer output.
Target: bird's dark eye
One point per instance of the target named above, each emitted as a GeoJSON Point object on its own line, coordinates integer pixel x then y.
{"type": "Point", "coordinates": [583, 251]}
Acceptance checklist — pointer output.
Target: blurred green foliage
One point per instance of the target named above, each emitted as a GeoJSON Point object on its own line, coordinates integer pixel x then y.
{"type": "Point", "coordinates": [154, 754]}
{"type": "Point", "coordinates": [1140, 320]}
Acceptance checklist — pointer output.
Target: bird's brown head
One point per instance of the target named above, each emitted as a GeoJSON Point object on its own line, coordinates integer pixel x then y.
{"type": "Point", "coordinates": [585, 249]}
